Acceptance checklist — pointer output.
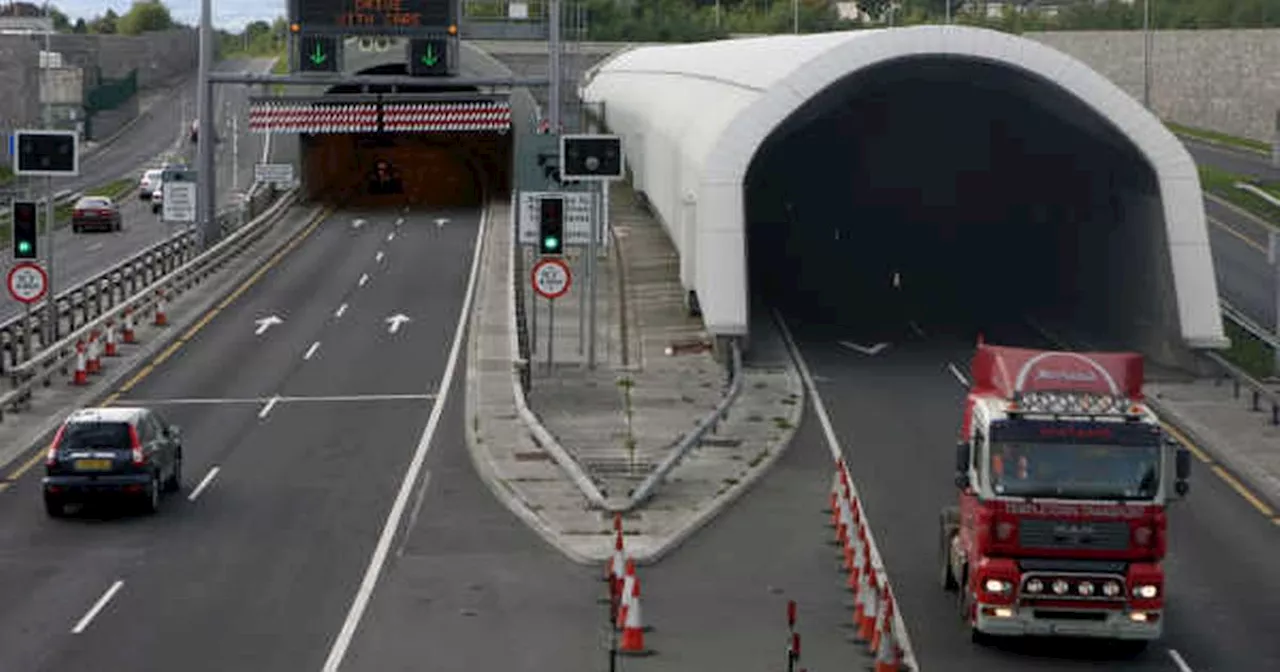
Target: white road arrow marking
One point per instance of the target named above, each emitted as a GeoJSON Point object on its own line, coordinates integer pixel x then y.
{"type": "Point", "coordinates": [399, 221]}
{"type": "Point", "coordinates": [871, 350]}
{"type": "Point", "coordinates": [377, 258]}
{"type": "Point", "coordinates": [357, 223]}
{"type": "Point", "coordinates": [442, 221]}
{"type": "Point", "coordinates": [394, 322]}
{"type": "Point", "coordinates": [266, 323]}
{"type": "Point", "coordinates": [391, 236]}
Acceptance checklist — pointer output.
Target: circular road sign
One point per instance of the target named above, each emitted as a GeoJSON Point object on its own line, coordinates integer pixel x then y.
{"type": "Point", "coordinates": [551, 278]}
{"type": "Point", "coordinates": [28, 282]}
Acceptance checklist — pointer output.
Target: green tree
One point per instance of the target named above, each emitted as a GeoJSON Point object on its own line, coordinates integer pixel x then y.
{"type": "Point", "coordinates": [105, 24]}
{"type": "Point", "coordinates": [145, 16]}
{"type": "Point", "coordinates": [80, 27]}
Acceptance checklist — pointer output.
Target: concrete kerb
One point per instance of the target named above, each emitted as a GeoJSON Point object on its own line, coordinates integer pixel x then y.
{"type": "Point", "coordinates": [719, 504]}
{"type": "Point", "coordinates": [1223, 458]}
{"type": "Point", "coordinates": [1240, 149]}
{"type": "Point", "coordinates": [500, 489]}
{"type": "Point", "coordinates": [111, 379]}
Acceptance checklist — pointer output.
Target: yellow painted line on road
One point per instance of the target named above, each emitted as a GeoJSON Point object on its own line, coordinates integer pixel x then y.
{"type": "Point", "coordinates": [1235, 232]}
{"type": "Point", "coordinates": [1232, 482]}
{"type": "Point", "coordinates": [168, 352]}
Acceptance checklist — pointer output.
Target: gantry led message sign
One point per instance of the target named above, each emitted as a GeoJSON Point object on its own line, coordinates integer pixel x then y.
{"type": "Point", "coordinates": [382, 17]}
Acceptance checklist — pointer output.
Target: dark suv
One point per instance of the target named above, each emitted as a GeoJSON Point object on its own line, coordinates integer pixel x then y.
{"type": "Point", "coordinates": [129, 452]}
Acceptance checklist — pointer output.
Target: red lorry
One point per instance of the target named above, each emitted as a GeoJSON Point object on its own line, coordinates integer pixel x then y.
{"type": "Point", "coordinates": [1064, 476]}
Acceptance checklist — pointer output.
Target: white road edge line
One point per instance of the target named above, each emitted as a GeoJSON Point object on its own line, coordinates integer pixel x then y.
{"type": "Point", "coordinates": [379, 559]}
{"type": "Point", "coordinates": [955, 371]}
{"type": "Point", "coordinates": [271, 403]}
{"type": "Point", "coordinates": [1177, 660]}
{"type": "Point", "coordinates": [391, 236]}
{"type": "Point", "coordinates": [377, 258]}
{"type": "Point", "coordinates": [364, 277]}
{"type": "Point", "coordinates": [204, 483]}
{"type": "Point", "coordinates": [915, 327]}
{"type": "Point", "coordinates": [311, 351]}
{"type": "Point", "coordinates": [97, 607]}
{"type": "Point", "coordinates": [837, 452]}
{"type": "Point", "coordinates": [413, 515]}
{"type": "Point", "coordinates": [281, 399]}
{"type": "Point", "coordinates": [341, 309]}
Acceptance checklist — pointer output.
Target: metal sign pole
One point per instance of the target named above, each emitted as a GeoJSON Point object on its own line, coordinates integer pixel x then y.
{"type": "Point", "coordinates": [51, 303]}
{"type": "Point", "coordinates": [533, 314]}
{"type": "Point", "coordinates": [1273, 259]}
{"type": "Point", "coordinates": [597, 223]}
{"type": "Point", "coordinates": [551, 332]}
{"type": "Point", "coordinates": [208, 129]}
{"type": "Point", "coordinates": [554, 71]}
{"type": "Point", "coordinates": [582, 309]}
{"type": "Point", "coordinates": [27, 335]}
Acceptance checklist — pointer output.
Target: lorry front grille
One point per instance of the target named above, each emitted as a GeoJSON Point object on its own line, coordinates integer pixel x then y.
{"type": "Point", "coordinates": [1112, 535]}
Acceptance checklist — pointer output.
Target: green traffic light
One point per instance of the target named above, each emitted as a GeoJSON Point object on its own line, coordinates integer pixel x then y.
{"type": "Point", "coordinates": [24, 246]}
{"type": "Point", "coordinates": [551, 243]}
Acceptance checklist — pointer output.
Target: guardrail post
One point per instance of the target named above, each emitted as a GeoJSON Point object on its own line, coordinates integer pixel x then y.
{"type": "Point", "coordinates": [1256, 401]}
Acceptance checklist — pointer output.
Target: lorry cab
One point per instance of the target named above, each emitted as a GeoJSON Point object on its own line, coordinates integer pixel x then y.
{"type": "Point", "coordinates": [1063, 476]}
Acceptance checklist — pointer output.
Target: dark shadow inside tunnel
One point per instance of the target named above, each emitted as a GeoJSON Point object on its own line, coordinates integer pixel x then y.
{"type": "Point", "coordinates": [435, 169]}
{"type": "Point", "coordinates": [964, 196]}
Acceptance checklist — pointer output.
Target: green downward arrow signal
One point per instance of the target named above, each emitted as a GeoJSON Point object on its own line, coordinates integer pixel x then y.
{"type": "Point", "coordinates": [430, 58]}
{"type": "Point", "coordinates": [318, 56]}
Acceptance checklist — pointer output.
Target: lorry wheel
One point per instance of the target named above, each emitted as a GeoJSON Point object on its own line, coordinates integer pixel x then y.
{"type": "Point", "coordinates": [948, 528]}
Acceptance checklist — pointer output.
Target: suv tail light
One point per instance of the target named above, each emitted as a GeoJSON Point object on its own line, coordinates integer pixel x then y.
{"type": "Point", "coordinates": [52, 457]}
{"type": "Point", "coordinates": [138, 458]}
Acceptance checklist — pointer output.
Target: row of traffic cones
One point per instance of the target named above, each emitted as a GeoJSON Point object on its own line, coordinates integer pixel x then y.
{"type": "Point", "coordinates": [106, 342]}
{"type": "Point", "coordinates": [793, 639]}
{"type": "Point", "coordinates": [625, 614]}
{"type": "Point", "coordinates": [873, 604]}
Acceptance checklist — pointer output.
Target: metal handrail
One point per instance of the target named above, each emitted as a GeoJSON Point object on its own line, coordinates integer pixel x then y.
{"type": "Point", "coordinates": [1258, 390]}
{"type": "Point", "coordinates": [1245, 322]}
{"type": "Point", "coordinates": [694, 437]}
{"type": "Point", "coordinates": [41, 367]}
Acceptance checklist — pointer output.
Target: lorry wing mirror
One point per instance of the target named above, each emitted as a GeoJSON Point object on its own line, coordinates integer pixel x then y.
{"type": "Point", "coordinates": [962, 464]}
{"type": "Point", "coordinates": [1182, 471]}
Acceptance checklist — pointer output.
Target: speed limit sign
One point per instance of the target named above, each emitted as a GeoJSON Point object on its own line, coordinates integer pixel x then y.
{"type": "Point", "coordinates": [551, 278]}
{"type": "Point", "coordinates": [28, 282]}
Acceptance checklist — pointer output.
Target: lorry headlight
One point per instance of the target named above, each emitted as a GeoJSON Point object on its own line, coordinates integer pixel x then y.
{"type": "Point", "coordinates": [1060, 587]}
{"type": "Point", "coordinates": [1085, 588]}
{"type": "Point", "coordinates": [1146, 591]}
{"type": "Point", "coordinates": [1111, 589]}
{"type": "Point", "coordinates": [998, 586]}
{"type": "Point", "coordinates": [1035, 586]}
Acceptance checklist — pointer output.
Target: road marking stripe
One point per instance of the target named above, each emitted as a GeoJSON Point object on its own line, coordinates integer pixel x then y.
{"type": "Point", "coordinates": [204, 483]}
{"type": "Point", "coordinates": [1243, 491]}
{"type": "Point", "coordinates": [379, 558]}
{"type": "Point", "coordinates": [391, 236]}
{"type": "Point", "coordinates": [26, 466]}
{"type": "Point", "coordinates": [311, 350]}
{"type": "Point", "coordinates": [137, 378]}
{"type": "Point", "coordinates": [97, 607]}
{"type": "Point", "coordinates": [1177, 660]}
{"type": "Point", "coordinates": [377, 258]}
{"type": "Point", "coordinates": [364, 277]}
{"type": "Point", "coordinates": [281, 399]}
{"type": "Point", "coordinates": [955, 371]}
{"type": "Point", "coordinates": [413, 515]}
{"type": "Point", "coordinates": [271, 403]}
{"type": "Point", "coordinates": [1187, 442]}
{"type": "Point", "coordinates": [1238, 234]}
{"type": "Point", "coordinates": [837, 452]}
{"type": "Point", "coordinates": [341, 309]}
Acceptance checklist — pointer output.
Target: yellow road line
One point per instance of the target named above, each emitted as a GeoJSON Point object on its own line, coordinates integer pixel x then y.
{"type": "Point", "coordinates": [168, 352]}
{"type": "Point", "coordinates": [1231, 481]}
{"type": "Point", "coordinates": [1236, 232]}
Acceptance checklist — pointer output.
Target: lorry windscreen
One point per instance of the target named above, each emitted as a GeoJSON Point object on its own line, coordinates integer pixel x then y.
{"type": "Point", "coordinates": [1074, 471]}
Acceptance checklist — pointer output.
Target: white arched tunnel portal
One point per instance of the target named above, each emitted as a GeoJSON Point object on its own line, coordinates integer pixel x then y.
{"type": "Point", "coordinates": [695, 117]}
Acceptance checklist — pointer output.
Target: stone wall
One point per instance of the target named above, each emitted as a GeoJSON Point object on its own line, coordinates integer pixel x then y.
{"type": "Point", "coordinates": [1224, 80]}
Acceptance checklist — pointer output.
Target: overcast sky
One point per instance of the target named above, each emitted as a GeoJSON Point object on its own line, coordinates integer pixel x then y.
{"type": "Point", "coordinates": [227, 14]}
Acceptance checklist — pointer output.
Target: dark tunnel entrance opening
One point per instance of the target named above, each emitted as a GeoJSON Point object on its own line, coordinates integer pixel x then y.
{"type": "Point", "coordinates": [433, 169]}
{"type": "Point", "coordinates": [993, 195]}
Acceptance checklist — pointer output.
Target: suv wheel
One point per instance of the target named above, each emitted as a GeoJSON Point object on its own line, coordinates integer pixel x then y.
{"type": "Point", "coordinates": [54, 506]}
{"type": "Point", "coordinates": [174, 482]}
{"type": "Point", "coordinates": [151, 498]}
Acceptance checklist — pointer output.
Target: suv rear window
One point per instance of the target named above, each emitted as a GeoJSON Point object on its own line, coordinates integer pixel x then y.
{"type": "Point", "coordinates": [95, 436]}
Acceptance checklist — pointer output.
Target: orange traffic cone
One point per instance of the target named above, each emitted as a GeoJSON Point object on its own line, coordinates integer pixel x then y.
{"type": "Point", "coordinates": [867, 624]}
{"type": "Point", "coordinates": [111, 340]}
{"type": "Point", "coordinates": [632, 640]}
{"type": "Point", "coordinates": [81, 376]}
{"type": "Point", "coordinates": [92, 363]}
{"type": "Point", "coordinates": [127, 332]}
{"type": "Point", "coordinates": [888, 653]}
{"type": "Point", "coordinates": [629, 589]}
{"type": "Point", "coordinates": [162, 317]}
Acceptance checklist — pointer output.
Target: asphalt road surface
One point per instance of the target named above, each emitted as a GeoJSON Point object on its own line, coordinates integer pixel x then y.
{"type": "Point", "coordinates": [310, 426]}
{"type": "Point", "coordinates": [1232, 160]}
{"type": "Point", "coordinates": [1239, 246]}
{"type": "Point", "coordinates": [163, 130]}
{"type": "Point", "coordinates": [897, 415]}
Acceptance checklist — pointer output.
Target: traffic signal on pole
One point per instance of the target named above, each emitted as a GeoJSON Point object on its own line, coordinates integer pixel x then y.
{"type": "Point", "coordinates": [551, 226]}
{"type": "Point", "coordinates": [25, 230]}
{"type": "Point", "coordinates": [429, 57]}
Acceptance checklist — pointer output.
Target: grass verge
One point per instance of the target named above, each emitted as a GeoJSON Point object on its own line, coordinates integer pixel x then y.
{"type": "Point", "coordinates": [1220, 138]}
{"type": "Point", "coordinates": [1248, 352]}
{"type": "Point", "coordinates": [1222, 184]}
{"type": "Point", "coordinates": [281, 67]}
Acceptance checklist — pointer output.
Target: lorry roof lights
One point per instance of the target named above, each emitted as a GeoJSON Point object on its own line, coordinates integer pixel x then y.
{"type": "Point", "coordinates": [1073, 403]}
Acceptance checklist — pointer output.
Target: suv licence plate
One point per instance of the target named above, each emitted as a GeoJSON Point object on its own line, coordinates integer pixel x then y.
{"type": "Point", "coordinates": [93, 465]}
